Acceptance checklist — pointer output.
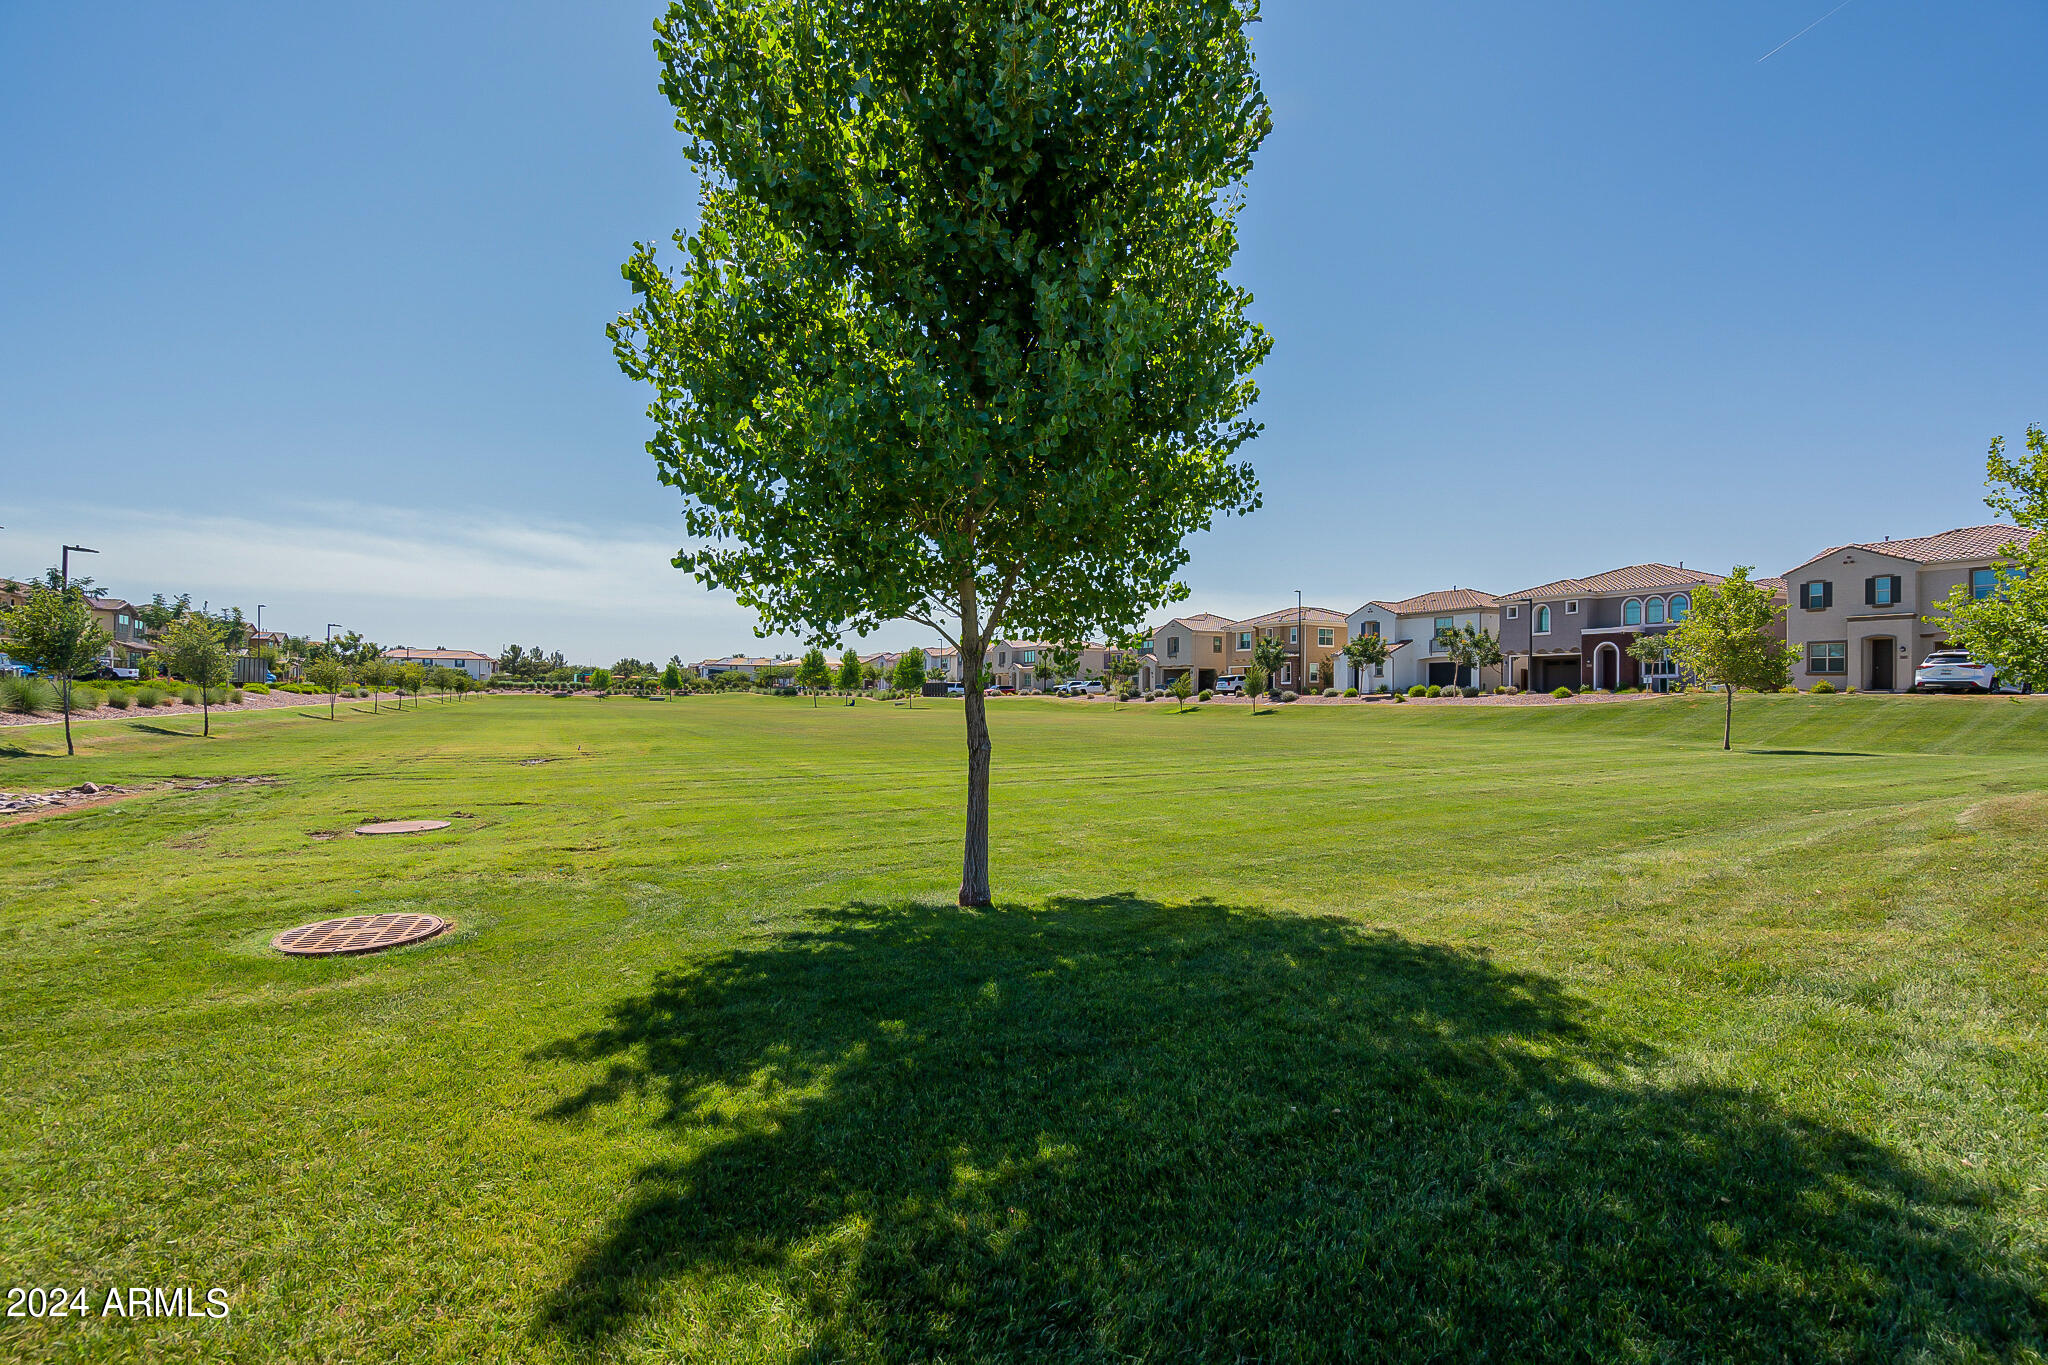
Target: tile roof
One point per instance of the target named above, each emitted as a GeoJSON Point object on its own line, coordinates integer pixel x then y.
{"type": "Point", "coordinates": [1205, 620]}
{"type": "Point", "coordinates": [401, 652]}
{"type": "Point", "coordinates": [1965, 542]}
{"type": "Point", "coordinates": [1447, 599]}
{"type": "Point", "coordinates": [1322, 616]}
{"type": "Point", "coordinates": [1633, 578]}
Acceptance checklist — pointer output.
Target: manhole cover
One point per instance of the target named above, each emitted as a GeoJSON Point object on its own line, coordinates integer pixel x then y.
{"type": "Point", "coordinates": [401, 826]}
{"type": "Point", "coordinates": [357, 934]}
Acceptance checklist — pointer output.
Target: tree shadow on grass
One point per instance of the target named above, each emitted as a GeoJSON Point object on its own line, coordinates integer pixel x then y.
{"type": "Point", "coordinates": [1112, 1129]}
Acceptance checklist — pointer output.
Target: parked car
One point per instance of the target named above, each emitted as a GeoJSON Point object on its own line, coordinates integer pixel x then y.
{"type": "Point", "coordinates": [1230, 684]}
{"type": "Point", "coordinates": [956, 690]}
{"type": "Point", "coordinates": [108, 673]}
{"type": "Point", "coordinates": [1091, 688]}
{"type": "Point", "coordinates": [1953, 670]}
{"type": "Point", "coordinates": [1000, 690]}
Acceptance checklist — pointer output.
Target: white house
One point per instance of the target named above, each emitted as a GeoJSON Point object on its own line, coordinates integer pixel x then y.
{"type": "Point", "coordinates": [1414, 629]}
{"type": "Point", "coordinates": [478, 666]}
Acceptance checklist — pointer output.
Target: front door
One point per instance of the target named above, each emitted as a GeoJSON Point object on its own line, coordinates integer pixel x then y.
{"type": "Point", "coordinates": [1881, 652]}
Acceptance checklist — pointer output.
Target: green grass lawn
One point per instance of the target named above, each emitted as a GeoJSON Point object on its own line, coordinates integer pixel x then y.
{"type": "Point", "coordinates": [1365, 1033]}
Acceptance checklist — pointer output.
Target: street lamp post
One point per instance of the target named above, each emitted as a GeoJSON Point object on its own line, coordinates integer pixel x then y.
{"type": "Point", "coordinates": [1300, 647]}
{"type": "Point", "coordinates": [69, 550]}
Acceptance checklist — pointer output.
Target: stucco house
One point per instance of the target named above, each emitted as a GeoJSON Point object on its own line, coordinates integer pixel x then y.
{"type": "Point", "coordinates": [1415, 629]}
{"type": "Point", "coordinates": [478, 666]}
{"type": "Point", "coordinates": [1859, 612]}
{"type": "Point", "coordinates": [1576, 632]}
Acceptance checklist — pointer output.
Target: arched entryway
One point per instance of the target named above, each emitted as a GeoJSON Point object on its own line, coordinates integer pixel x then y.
{"type": "Point", "coordinates": [1607, 666]}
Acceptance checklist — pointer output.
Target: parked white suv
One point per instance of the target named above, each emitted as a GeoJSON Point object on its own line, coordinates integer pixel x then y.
{"type": "Point", "coordinates": [1091, 688]}
{"type": "Point", "coordinates": [1953, 670]}
{"type": "Point", "coordinates": [1230, 684]}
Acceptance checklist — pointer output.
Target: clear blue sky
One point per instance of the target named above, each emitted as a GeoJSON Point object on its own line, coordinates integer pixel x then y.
{"type": "Point", "coordinates": [305, 305]}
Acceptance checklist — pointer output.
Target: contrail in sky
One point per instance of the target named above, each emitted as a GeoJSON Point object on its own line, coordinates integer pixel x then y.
{"type": "Point", "coordinates": [1804, 31]}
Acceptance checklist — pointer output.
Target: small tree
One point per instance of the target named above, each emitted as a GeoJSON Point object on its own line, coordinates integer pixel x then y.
{"type": "Point", "coordinates": [328, 675]}
{"type": "Point", "coordinates": [813, 673]}
{"type": "Point", "coordinates": [1057, 662]}
{"type": "Point", "coordinates": [1471, 647]}
{"type": "Point", "coordinates": [1269, 654]}
{"type": "Point", "coordinates": [375, 674]}
{"type": "Point", "coordinates": [411, 678]}
{"type": "Point", "coordinates": [1730, 639]}
{"type": "Point", "coordinates": [850, 675]}
{"type": "Point", "coordinates": [601, 680]}
{"type": "Point", "coordinates": [191, 648]}
{"type": "Point", "coordinates": [1366, 651]}
{"type": "Point", "coordinates": [1119, 667]}
{"type": "Point", "coordinates": [2009, 628]}
{"type": "Point", "coordinates": [672, 676]}
{"type": "Point", "coordinates": [908, 675]}
{"type": "Point", "coordinates": [1255, 683]}
{"type": "Point", "coordinates": [54, 631]}
{"type": "Point", "coordinates": [1180, 689]}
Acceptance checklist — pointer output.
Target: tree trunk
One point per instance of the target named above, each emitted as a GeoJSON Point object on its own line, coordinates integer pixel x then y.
{"type": "Point", "coordinates": [974, 890]}
{"type": "Point", "coordinates": [1728, 722]}
{"type": "Point", "coordinates": [330, 706]}
{"type": "Point", "coordinates": [68, 750]}
{"type": "Point", "coordinates": [205, 716]}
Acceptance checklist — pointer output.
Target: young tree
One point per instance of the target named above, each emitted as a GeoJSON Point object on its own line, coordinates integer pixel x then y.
{"type": "Point", "coordinates": [814, 673]}
{"type": "Point", "coordinates": [2009, 628]}
{"type": "Point", "coordinates": [1472, 647]}
{"type": "Point", "coordinates": [672, 676]}
{"type": "Point", "coordinates": [1056, 663]}
{"type": "Point", "coordinates": [1119, 667]}
{"type": "Point", "coordinates": [908, 675]}
{"type": "Point", "coordinates": [1268, 654]}
{"type": "Point", "coordinates": [54, 631]}
{"type": "Point", "coordinates": [328, 675]}
{"type": "Point", "coordinates": [190, 648]}
{"type": "Point", "coordinates": [411, 678]}
{"type": "Point", "coordinates": [374, 673]}
{"type": "Point", "coordinates": [1255, 683]}
{"type": "Point", "coordinates": [952, 342]}
{"type": "Point", "coordinates": [1180, 689]}
{"type": "Point", "coordinates": [601, 680]}
{"type": "Point", "coordinates": [1366, 652]}
{"type": "Point", "coordinates": [850, 676]}
{"type": "Point", "coordinates": [1730, 639]}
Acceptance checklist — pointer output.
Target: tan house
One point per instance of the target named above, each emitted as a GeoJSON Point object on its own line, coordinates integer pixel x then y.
{"type": "Point", "coordinates": [115, 616]}
{"type": "Point", "coordinates": [1208, 646]}
{"type": "Point", "coordinates": [1858, 612]}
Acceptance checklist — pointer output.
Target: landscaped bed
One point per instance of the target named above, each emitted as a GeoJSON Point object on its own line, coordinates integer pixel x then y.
{"type": "Point", "coordinates": [1352, 1033]}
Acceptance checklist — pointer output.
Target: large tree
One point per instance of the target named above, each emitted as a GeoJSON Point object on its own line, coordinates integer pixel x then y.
{"type": "Point", "coordinates": [951, 342]}
{"type": "Point", "coordinates": [2008, 629]}
{"type": "Point", "coordinates": [1732, 638]}
{"type": "Point", "coordinates": [55, 632]}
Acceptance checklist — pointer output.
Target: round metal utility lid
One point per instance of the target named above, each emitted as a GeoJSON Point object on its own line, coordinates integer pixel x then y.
{"type": "Point", "coordinates": [401, 826]}
{"type": "Point", "coordinates": [357, 934]}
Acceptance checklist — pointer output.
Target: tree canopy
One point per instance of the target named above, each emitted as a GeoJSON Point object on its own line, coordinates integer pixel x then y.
{"type": "Point", "coordinates": [952, 340]}
{"type": "Point", "coordinates": [1732, 638]}
{"type": "Point", "coordinates": [54, 631]}
{"type": "Point", "coordinates": [2008, 629]}
{"type": "Point", "coordinates": [190, 648]}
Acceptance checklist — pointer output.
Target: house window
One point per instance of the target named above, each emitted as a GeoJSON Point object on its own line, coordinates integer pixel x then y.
{"type": "Point", "coordinates": [1173, 646]}
{"type": "Point", "coordinates": [1326, 636]}
{"type": "Point", "coordinates": [1446, 626]}
{"type": "Point", "coordinates": [1817, 595]}
{"type": "Point", "coordinates": [1543, 620]}
{"type": "Point", "coordinates": [1681, 605]}
{"type": "Point", "coordinates": [1883, 591]}
{"type": "Point", "coordinates": [1832, 657]}
{"type": "Point", "coordinates": [1632, 612]}
{"type": "Point", "coordinates": [1027, 656]}
{"type": "Point", "coordinates": [1244, 640]}
{"type": "Point", "coordinates": [1983, 582]}
{"type": "Point", "coordinates": [1653, 612]}
{"type": "Point", "coordinates": [1294, 635]}
{"type": "Point", "coordinates": [1514, 613]}
{"type": "Point", "coordinates": [1215, 644]}
{"type": "Point", "coordinates": [1372, 627]}
{"type": "Point", "coordinates": [1571, 608]}
{"type": "Point", "coordinates": [1287, 675]}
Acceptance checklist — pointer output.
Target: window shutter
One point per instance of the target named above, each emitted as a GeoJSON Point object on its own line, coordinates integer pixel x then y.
{"type": "Point", "coordinates": [1827, 593]}
{"type": "Point", "coordinates": [1898, 589]}
{"type": "Point", "coordinates": [1870, 592]}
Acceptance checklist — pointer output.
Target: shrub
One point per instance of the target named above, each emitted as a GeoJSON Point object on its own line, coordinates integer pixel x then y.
{"type": "Point", "coordinates": [260, 689]}
{"type": "Point", "coordinates": [216, 696]}
{"type": "Point", "coordinates": [150, 696]}
{"type": "Point", "coordinates": [1430, 691]}
{"type": "Point", "coordinates": [1290, 696]}
{"type": "Point", "coordinates": [1206, 695]}
{"type": "Point", "coordinates": [1511, 691]}
{"type": "Point", "coordinates": [87, 699]}
{"type": "Point", "coordinates": [1823, 687]}
{"type": "Point", "coordinates": [1350, 691]}
{"type": "Point", "coordinates": [234, 696]}
{"type": "Point", "coordinates": [1847, 690]}
{"type": "Point", "coordinates": [1418, 691]}
{"type": "Point", "coordinates": [1400, 696]}
{"type": "Point", "coordinates": [1561, 693]}
{"type": "Point", "coordinates": [26, 696]}
{"type": "Point", "coordinates": [1468, 691]}
{"type": "Point", "coordinates": [1329, 691]}
{"type": "Point", "coordinates": [120, 701]}
{"type": "Point", "coordinates": [189, 695]}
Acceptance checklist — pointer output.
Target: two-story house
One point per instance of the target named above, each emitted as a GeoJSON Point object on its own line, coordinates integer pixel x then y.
{"type": "Point", "coordinates": [478, 666]}
{"type": "Point", "coordinates": [1858, 613]}
{"type": "Point", "coordinates": [1576, 632]}
{"type": "Point", "coordinates": [118, 618]}
{"type": "Point", "coordinates": [1193, 645]}
{"type": "Point", "coordinates": [1313, 636]}
{"type": "Point", "coordinates": [1415, 629]}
